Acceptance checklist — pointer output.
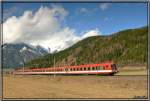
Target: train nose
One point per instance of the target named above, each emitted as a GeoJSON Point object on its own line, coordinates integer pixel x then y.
{"type": "Point", "coordinates": [115, 70]}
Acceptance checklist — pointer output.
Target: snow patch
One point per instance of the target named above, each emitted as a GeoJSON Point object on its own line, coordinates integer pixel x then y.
{"type": "Point", "coordinates": [4, 47]}
{"type": "Point", "coordinates": [23, 49]}
{"type": "Point", "coordinates": [32, 51]}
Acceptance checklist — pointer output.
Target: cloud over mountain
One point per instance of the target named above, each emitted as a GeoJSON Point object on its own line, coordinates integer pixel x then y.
{"type": "Point", "coordinates": [42, 27]}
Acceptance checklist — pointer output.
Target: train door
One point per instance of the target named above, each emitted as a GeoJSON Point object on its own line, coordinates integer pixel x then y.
{"type": "Point", "coordinates": [66, 70]}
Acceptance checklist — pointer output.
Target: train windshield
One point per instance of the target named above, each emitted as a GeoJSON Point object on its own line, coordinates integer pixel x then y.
{"type": "Point", "coordinates": [114, 66]}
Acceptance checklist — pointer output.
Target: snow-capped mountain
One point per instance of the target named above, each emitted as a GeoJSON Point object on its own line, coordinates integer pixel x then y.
{"type": "Point", "coordinates": [14, 55]}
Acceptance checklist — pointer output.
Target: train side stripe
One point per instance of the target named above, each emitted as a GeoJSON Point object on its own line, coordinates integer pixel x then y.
{"type": "Point", "coordinates": [68, 72]}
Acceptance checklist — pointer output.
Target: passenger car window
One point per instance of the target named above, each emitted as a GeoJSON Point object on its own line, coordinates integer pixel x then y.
{"type": "Point", "coordinates": [100, 68]}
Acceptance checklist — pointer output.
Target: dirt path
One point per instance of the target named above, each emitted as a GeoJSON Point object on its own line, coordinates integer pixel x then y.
{"type": "Point", "coordinates": [36, 86]}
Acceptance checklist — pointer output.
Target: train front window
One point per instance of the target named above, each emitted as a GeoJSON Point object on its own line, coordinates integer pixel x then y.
{"type": "Point", "coordinates": [113, 66]}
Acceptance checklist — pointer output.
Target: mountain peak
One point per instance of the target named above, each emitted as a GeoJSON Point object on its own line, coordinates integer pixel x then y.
{"type": "Point", "coordinates": [16, 53]}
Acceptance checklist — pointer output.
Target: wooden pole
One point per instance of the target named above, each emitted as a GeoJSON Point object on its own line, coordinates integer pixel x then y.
{"type": "Point", "coordinates": [24, 60]}
{"type": "Point", "coordinates": [54, 67]}
{"type": "Point", "coordinates": [75, 61]}
{"type": "Point", "coordinates": [23, 68]}
{"type": "Point", "coordinates": [49, 53]}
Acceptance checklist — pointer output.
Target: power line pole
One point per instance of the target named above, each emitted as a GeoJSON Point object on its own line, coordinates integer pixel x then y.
{"type": "Point", "coordinates": [24, 61]}
{"type": "Point", "coordinates": [76, 60]}
{"type": "Point", "coordinates": [23, 64]}
{"type": "Point", "coordinates": [49, 53]}
{"type": "Point", "coordinates": [23, 68]}
{"type": "Point", "coordinates": [54, 66]}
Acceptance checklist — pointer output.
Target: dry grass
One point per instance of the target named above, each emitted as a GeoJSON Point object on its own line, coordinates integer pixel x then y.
{"type": "Point", "coordinates": [133, 70]}
{"type": "Point", "coordinates": [43, 86]}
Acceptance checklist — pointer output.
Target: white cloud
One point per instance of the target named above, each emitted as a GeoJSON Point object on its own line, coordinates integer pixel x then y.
{"type": "Point", "coordinates": [84, 10]}
{"type": "Point", "coordinates": [31, 26]}
{"type": "Point", "coordinates": [42, 28]}
{"type": "Point", "coordinates": [60, 40]}
{"type": "Point", "coordinates": [90, 33]}
{"type": "Point", "coordinates": [104, 6]}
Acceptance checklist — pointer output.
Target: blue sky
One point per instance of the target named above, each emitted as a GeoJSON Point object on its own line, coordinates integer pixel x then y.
{"type": "Point", "coordinates": [85, 16]}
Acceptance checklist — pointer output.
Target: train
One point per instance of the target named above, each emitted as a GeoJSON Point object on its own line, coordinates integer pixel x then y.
{"type": "Point", "coordinates": [107, 68]}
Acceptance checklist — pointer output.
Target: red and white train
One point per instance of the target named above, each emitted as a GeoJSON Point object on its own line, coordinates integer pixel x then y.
{"type": "Point", "coordinates": [108, 68]}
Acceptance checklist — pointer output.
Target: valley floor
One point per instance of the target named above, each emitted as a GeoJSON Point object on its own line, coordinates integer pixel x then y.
{"type": "Point", "coordinates": [46, 86]}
